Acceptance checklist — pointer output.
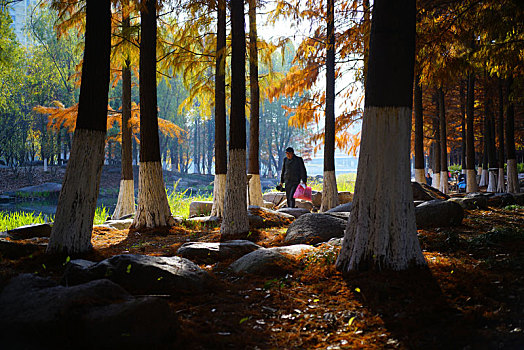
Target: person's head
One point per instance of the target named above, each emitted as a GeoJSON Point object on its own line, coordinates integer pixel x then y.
{"type": "Point", "coordinates": [290, 152]}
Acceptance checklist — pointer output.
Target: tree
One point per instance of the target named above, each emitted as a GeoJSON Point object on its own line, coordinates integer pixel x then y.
{"type": "Point", "coordinates": [235, 221]}
{"type": "Point", "coordinates": [75, 212]}
{"type": "Point", "coordinates": [513, 180]}
{"type": "Point", "coordinates": [471, 176]}
{"type": "Point", "coordinates": [220, 113]}
{"type": "Point", "coordinates": [126, 195]}
{"type": "Point", "coordinates": [153, 208]}
{"type": "Point", "coordinates": [255, 188]}
{"type": "Point", "coordinates": [500, 137]}
{"type": "Point", "coordinates": [329, 186]}
{"type": "Point", "coordinates": [443, 187]}
{"type": "Point", "coordinates": [382, 231]}
{"type": "Point", "coordinates": [420, 172]}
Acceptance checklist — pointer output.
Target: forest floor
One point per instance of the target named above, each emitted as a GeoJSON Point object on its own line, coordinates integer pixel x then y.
{"type": "Point", "coordinates": [470, 297]}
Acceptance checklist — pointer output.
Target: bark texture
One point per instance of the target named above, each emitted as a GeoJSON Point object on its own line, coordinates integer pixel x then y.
{"type": "Point", "coordinates": [255, 191]}
{"type": "Point", "coordinates": [443, 186]}
{"type": "Point", "coordinates": [329, 191]}
{"type": "Point", "coordinates": [513, 181]}
{"type": "Point", "coordinates": [75, 211]}
{"type": "Point", "coordinates": [153, 209]}
{"type": "Point", "coordinates": [500, 137]}
{"type": "Point", "coordinates": [420, 176]}
{"type": "Point", "coordinates": [126, 200]}
{"type": "Point", "coordinates": [419, 134]}
{"type": "Point", "coordinates": [219, 195]}
{"type": "Point", "coordinates": [471, 178]}
{"type": "Point", "coordinates": [235, 221]}
{"type": "Point", "coordinates": [382, 232]}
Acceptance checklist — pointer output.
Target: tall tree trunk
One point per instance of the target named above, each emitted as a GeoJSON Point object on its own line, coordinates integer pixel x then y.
{"type": "Point", "coordinates": [443, 187]}
{"type": "Point", "coordinates": [471, 176]}
{"type": "Point", "coordinates": [126, 195]}
{"type": "Point", "coordinates": [382, 232]}
{"type": "Point", "coordinates": [437, 153]}
{"type": "Point", "coordinates": [420, 172]}
{"type": "Point", "coordinates": [210, 144]}
{"type": "Point", "coordinates": [75, 212]}
{"type": "Point", "coordinates": [153, 208]}
{"type": "Point", "coordinates": [500, 136]}
{"type": "Point", "coordinates": [196, 147]}
{"type": "Point", "coordinates": [463, 127]}
{"type": "Point", "coordinates": [513, 181]}
{"type": "Point", "coordinates": [484, 173]}
{"type": "Point", "coordinates": [490, 140]}
{"type": "Point", "coordinates": [174, 156]}
{"type": "Point", "coordinates": [255, 188]}
{"type": "Point", "coordinates": [235, 222]}
{"type": "Point", "coordinates": [329, 187]}
{"type": "Point", "coordinates": [219, 188]}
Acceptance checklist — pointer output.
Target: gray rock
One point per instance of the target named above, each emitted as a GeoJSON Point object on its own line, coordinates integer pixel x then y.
{"type": "Point", "coordinates": [105, 226]}
{"type": "Point", "coordinates": [35, 313]}
{"type": "Point", "coordinates": [346, 207]}
{"type": "Point", "coordinates": [200, 208]}
{"type": "Point", "coordinates": [302, 204]}
{"type": "Point", "coordinates": [438, 213]}
{"type": "Point", "coordinates": [6, 198]}
{"type": "Point", "coordinates": [423, 192]}
{"type": "Point", "coordinates": [270, 262]}
{"type": "Point", "coordinates": [262, 217]}
{"type": "Point", "coordinates": [119, 224]}
{"type": "Point", "coordinates": [344, 215]}
{"type": "Point", "coordinates": [315, 228]}
{"type": "Point", "coordinates": [519, 198]}
{"type": "Point", "coordinates": [205, 220]}
{"type": "Point", "coordinates": [48, 188]}
{"type": "Point", "coordinates": [479, 202]}
{"type": "Point", "coordinates": [212, 252]}
{"type": "Point", "coordinates": [335, 242]}
{"type": "Point", "coordinates": [296, 212]}
{"type": "Point", "coordinates": [30, 231]}
{"type": "Point", "coordinates": [15, 250]}
{"type": "Point", "coordinates": [316, 198]}
{"type": "Point", "coordinates": [274, 197]}
{"type": "Point", "coordinates": [143, 274]}
{"type": "Point", "coordinates": [501, 200]}
{"type": "Point", "coordinates": [417, 203]}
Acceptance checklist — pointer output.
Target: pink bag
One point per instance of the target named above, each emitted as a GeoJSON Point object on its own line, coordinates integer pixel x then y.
{"type": "Point", "coordinates": [303, 192]}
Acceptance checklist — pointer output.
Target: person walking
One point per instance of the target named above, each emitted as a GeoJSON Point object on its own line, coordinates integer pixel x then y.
{"type": "Point", "coordinates": [293, 171]}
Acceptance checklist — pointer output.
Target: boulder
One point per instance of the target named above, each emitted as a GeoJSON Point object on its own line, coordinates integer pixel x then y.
{"type": "Point", "coordinates": [274, 197]}
{"type": "Point", "coordinates": [268, 205]}
{"type": "Point", "coordinates": [480, 202]}
{"type": "Point", "coordinates": [42, 190]}
{"type": "Point", "coordinates": [315, 228]}
{"type": "Point", "coordinates": [296, 212]}
{"type": "Point", "coordinates": [438, 213]}
{"type": "Point", "coordinates": [15, 250]}
{"type": "Point", "coordinates": [346, 207]}
{"type": "Point", "coordinates": [423, 192]}
{"type": "Point", "coordinates": [35, 313]}
{"type": "Point", "coordinates": [212, 252]}
{"type": "Point", "coordinates": [316, 198]}
{"type": "Point", "coordinates": [345, 197]}
{"type": "Point", "coordinates": [519, 198]}
{"type": "Point", "coordinates": [344, 215]}
{"type": "Point", "coordinates": [5, 198]}
{"type": "Point", "coordinates": [205, 220]}
{"type": "Point", "coordinates": [270, 261]}
{"type": "Point", "coordinates": [105, 227]}
{"type": "Point", "coordinates": [119, 224]}
{"type": "Point", "coordinates": [262, 217]}
{"type": "Point", "coordinates": [302, 204]}
{"type": "Point", "coordinates": [499, 200]}
{"type": "Point", "coordinates": [143, 274]}
{"type": "Point", "coordinates": [200, 208]}
{"type": "Point", "coordinates": [30, 231]}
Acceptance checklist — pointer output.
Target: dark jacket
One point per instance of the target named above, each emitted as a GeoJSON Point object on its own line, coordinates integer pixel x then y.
{"type": "Point", "coordinates": [293, 170]}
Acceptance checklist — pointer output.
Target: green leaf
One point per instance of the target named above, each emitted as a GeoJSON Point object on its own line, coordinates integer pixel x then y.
{"type": "Point", "coordinates": [243, 320]}
{"type": "Point", "coordinates": [128, 270]}
{"type": "Point", "coordinates": [357, 290]}
{"type": "Point", "coordinates": [350, 322]}
{"type": "Point", "coordinates": [43, 265]}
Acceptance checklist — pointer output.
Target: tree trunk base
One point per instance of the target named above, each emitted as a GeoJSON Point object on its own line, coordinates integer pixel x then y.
{"type": "Point", "coordinates": [329, 191]}
{"type": "Point", "coordinates": [500, 183]}
{"type": "Point", "coordinates": [513, 177]}
{"type": "Point", "coordinates": [483, 178]}
{"type": "Point", "coordinates": [436, 180]}
{"type": "Point", "coordinates": [153, 209]}
{"type": "Point", "coordinates": [126, 200]}
{"type": "Point", "coordinates": [420, 176]}
{"type": "Point", "coordinates": [443, 187]}
{"type": "Point", "coordinates": [235, 222]}
{"type": "Point", "coordinates": [255, 191]}
{"type": "Point", "coordinates": [219, 195]}
{"type": "Point", "coordinates": [382, 232]}
{"type": "Point", "coordinates": [492, 183]}
{"type": "Point", "coordinates": [75, 212]}
{"type": "Point", "coordinates": [471, 181]}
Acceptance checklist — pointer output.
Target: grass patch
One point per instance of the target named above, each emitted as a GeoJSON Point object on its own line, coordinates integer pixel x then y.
{"type": "Point", "coordinates": [498, 235]}
{"type": "Point", "coordinates": [179, 201]}
{"type": "Point", "coordinates": [11, 220]}
{"type": "Point", "coordinates": [513, 207]}
{"type": "Point", "coordinates": [345, 183]}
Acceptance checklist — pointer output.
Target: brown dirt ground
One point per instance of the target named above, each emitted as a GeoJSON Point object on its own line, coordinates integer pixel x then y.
{"type": "Point", "coordinates": [470, 297]}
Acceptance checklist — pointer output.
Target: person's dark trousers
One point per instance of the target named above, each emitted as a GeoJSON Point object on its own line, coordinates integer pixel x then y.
{"type": "Point", "coordinates": [290, 191]}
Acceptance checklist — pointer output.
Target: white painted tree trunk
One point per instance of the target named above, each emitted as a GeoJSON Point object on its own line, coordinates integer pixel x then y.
{"type": "Point", "coordinates": [153, 209]}
{"type": "Point", "coordinates": [45, 164]}
{"type": "Point", "coordinates": [255, 191]}
{"type": "Point", "coordinates": [219, 195]}
{"type": "Point", "coordinates": [75, 212]}
{"type": "Point", "coordinates": [471, 181]}
{"type": "Point", "coordinates": [463, 171]}
{"type": "Point", "coordinates": [382, 232]}
{"type": "Point", "coordinates": [126, 200]}
{"type": "Point", "coordinates": [443, 187]}
{"type": "Point", "coordinates": [513, 179]}
{"type": "Point", "coordinates": [329, 191]}
{"type": "Point", "coordinates": [420, 176]}
{"type": "Point", "coordinates": [436, 180]}
{"type": "Point", "coordinates": [483, 178]}
{"type": "Point", "coordinates": [500, 183]}
{"type": "Point", "coordinates": [235, 221]}
{"type": "Point", "coordinates": [492, 183]}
